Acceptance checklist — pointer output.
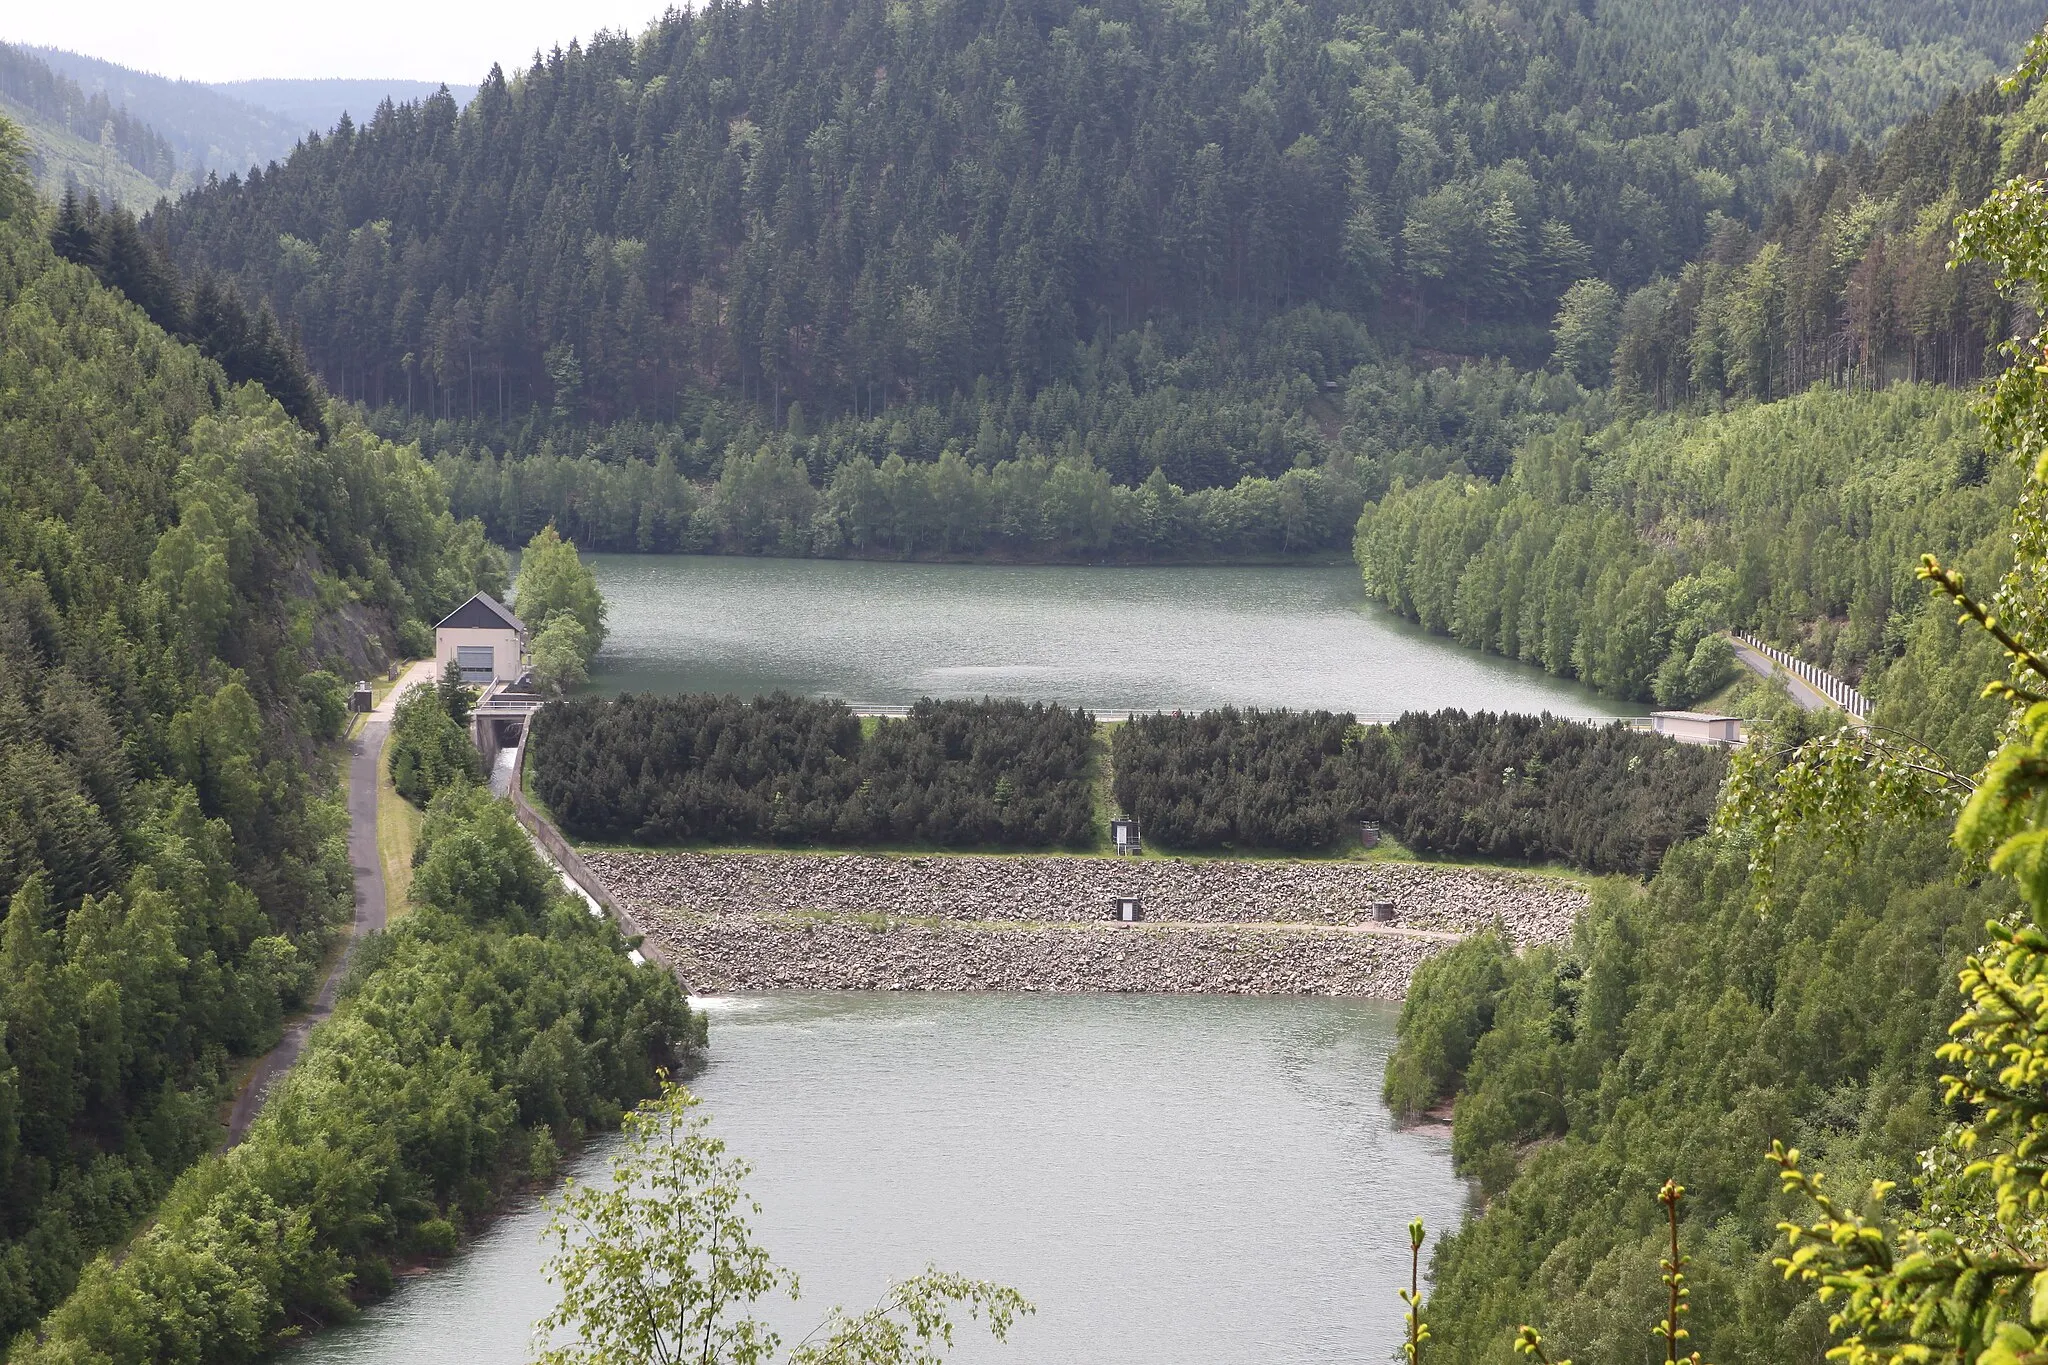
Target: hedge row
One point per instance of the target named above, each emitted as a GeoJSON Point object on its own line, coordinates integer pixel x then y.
{"type": "Point", "coordinates": [1523, 788]}
{"type": "Point", "coordinates": [700, 768]}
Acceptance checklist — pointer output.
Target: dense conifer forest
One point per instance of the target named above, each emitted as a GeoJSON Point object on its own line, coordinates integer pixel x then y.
{"type": "Point", "coordinates": [186, 576]}
{"type": "Point", "coordinates": [1446, 784]}
{"type": "Point", "coordinates": [1848, 280]}
{"type": "Point", "coordinates": [840, 208]}
{"type": "Point", "coordinates": [709, 769]}
{"type": "Point", "coordinates": [739, 282]}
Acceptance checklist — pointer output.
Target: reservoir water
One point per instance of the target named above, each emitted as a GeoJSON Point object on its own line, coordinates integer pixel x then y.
{"type": "Point", "coordinates": [1173, 1180]}
{"type": "Point", "coordinates": [1111, 639]}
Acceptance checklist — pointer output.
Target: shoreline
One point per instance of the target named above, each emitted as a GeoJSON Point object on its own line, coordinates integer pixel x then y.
{"type": "Point", "coordinates": [741, 922]}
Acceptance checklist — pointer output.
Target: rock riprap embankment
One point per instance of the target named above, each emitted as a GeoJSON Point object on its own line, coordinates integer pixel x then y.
{"type": "Point", "coordinates": [757, 921]}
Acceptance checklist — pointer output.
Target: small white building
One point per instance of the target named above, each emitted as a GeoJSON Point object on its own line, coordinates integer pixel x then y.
{"type": "Point", "coordinates": [485, 640]}
{"type": "Point", "coordinates": [1697, 727]}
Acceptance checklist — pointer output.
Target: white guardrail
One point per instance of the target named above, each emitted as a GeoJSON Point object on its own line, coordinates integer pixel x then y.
{"type": "Point", "coordinates": [1820, 680]}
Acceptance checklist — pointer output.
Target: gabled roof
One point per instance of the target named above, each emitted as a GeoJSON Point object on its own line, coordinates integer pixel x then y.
{"type": "Point", "coordinates": [481, 612]}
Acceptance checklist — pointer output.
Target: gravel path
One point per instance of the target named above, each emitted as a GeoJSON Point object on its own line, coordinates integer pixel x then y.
{"type": "Point", "coordinates": [366, 750]}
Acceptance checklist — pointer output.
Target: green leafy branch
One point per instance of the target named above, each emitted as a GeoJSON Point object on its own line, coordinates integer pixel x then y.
{"type": "Point", "coordinates": [1418, 1329]}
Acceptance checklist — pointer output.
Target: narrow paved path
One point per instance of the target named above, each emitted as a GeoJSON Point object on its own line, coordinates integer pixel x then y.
{"type": "Point", "coordinates": [366, 750]}
{"type": "Point", "coordinates": [1764, 666]}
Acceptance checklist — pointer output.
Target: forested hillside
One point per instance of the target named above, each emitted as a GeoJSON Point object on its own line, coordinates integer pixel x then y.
{"type": "Point", "coordinates": [81, 137]}
{"type": "Point", "coordinates": [1114, 239]}
{"type": "Point", "coordinates": [187, 576]}
{"type": "Point", "coordinates": [1848, 280]}
{"type": "Point", "coordinates": [209, 127]}
{"type": "Point", "coordinates": [1688, 1024]}
{"type": "Point", "coordinates": [847, 208]}
{"type": "Point", "coordinates": [1614, 557]}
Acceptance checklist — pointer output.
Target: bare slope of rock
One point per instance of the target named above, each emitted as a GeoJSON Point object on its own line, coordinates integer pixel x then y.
{"type": "Point", "coordinates": [755, 921]}
{"type": "Point", "coordinates": [749, 954]}
{"type": "Point", "coordinates": [1075, 890]}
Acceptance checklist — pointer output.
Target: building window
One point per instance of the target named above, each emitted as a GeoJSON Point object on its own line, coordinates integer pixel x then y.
{"type": "Point", "coordinates": [479, 663]}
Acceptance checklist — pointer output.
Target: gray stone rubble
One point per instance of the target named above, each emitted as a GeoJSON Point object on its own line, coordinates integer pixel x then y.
{"type": "Point", "coordinates": [760, 921]}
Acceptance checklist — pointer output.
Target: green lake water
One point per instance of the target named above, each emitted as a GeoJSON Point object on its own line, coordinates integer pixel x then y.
{"type": "Point", "coordinates": [1112, 639]}
{"type": "Point", "coordinates": [1173, 1180]}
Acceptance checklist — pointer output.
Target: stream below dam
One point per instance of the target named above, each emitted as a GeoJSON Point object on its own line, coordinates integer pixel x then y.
{"type": "Point", "coordinates": [1172, 1180]}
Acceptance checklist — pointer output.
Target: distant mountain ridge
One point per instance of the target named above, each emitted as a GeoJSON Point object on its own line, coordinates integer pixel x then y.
{"type": "Point", "coordinates": [319, 104]}
{"type": "Point", "coordinates": [121, 132]}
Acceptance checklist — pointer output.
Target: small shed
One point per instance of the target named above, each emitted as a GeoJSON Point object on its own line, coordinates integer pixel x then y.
{"type": "Point", "coordinates": [484, 639]}
{"type": "Point", "coordinates": [1697, 727]}
{"type": "Point", "coordinates": [361, 700]}
{"type": "Point", "coordinates": [1129, 909]}
{"type": "Point", "coordinates": [1369, 834]}
{"type": "Point", "coordinates": [1123, 836]}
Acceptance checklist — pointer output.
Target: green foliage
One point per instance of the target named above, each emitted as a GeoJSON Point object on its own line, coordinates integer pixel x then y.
{"type": "Point", "coordinates": [660, 1265]}
{"type": "Point", "coordinates": [1450, 1006]}
{"type": "Point", "coordinates": [552, 581]}
{"type": "Point", "coordinates": [213, 318]}
{"type": "Point", "coordinates": [1960, 1273]}
{"type": "Point", "coordinates": [483, 1032]}
{"type": "Point", "coordinates": [429, 750]}
{"type": "Point", "coordinates": [1950, 1267]}
{"type": "Point", "coordinates": [647, 769]}
{"type": "Point", "coordinates": [453, 694]}
{"type": "Point", "coordinates": [1240, 779]}
{"type": "Point", "coordinates": [183, 570]}
{"type": "Point", "coordinates": [1526, 788]}
{"type": "Point", "coordinates": [1849, 281]}
{"type": "Point", "coordinates": [561, 653]}
{"type": "Point", "coordinates": [324, 699]}
{"type": "Point", "coordinates": [765, 500]}
{"type": "Point", "coordinates": [1684, 1028]}
{"type": "Point", "coordinates": [1610, 557]}
{"type": "Point", "coordinates": [1588, 328]}
{"type": "Point", "coordinates": [1071, 249]}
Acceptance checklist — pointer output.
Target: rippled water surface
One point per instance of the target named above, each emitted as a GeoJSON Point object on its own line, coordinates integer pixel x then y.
{"type": "Point", "coordinates": [1174, 1181]}
{"type": "Point", "coordinates": [1108, 638]}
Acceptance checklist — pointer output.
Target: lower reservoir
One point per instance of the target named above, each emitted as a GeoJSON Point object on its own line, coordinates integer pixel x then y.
{"type": "Point", "coordinates": [1172, 1180]}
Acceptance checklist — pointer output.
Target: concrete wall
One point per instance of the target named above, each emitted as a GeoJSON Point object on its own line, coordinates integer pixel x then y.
{"type": "Point", "coordinates": [1690, 731]}
{"type": "Point", "coordinates": [504, 645]}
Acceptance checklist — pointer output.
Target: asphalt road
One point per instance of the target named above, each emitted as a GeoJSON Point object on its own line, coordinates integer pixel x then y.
{"type": "Point", "coordinates": [1802, 692]}
{"type": "Point", "coordinates": [366, 750]}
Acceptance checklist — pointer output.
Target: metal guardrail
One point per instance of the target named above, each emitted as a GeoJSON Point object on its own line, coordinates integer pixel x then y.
{"type": "Point", "coordinates": [1820, 680]}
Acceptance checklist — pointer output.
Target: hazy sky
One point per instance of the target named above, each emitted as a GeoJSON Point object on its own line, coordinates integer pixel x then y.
{"type": "Point", "coordinates": [228, 40]}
